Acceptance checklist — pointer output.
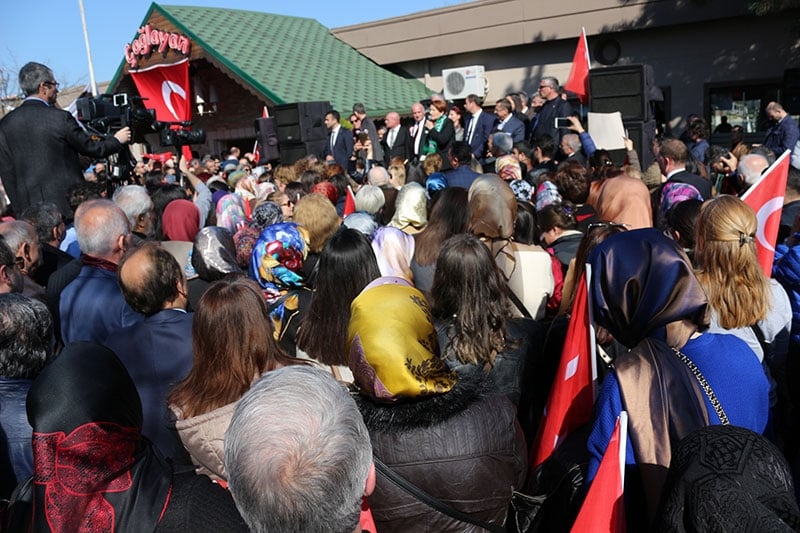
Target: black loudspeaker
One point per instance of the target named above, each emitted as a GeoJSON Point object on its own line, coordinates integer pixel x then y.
{"type": "Point", "coordinates": [291, 152]}
{"type": "Point", "coordinates": [791, 91]}
{"type": "Point", "coordinates": [267, 135]}
{"type": "Point", "coordinates": [301, 122]}
{"type": "Point", "coordinates": [642, 134]}
{"type": "Point", "coordinates": [628, 89]}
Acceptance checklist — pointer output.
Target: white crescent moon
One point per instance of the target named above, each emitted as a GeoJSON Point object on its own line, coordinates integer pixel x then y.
{"type": "Point", "coordinates": [766, 210]}
{"type": "Point", "coordinates": [167, 88]}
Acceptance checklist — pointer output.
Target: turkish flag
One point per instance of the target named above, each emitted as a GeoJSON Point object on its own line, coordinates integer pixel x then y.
{"type": "Point", "coordinates": [166, 89]}
{"type": "Point", "coordinates": [766, 198]}
{"type": "Point", "coordinates": [571, 399]}
{"type": "Point", "coordinates": [163, 158]}
{"type": "Point", "coordinates": [349, 202]}
{"type": "Point", "coordinates": [578, 80]}
{"type": "Point", "coordinates": [603, 510]}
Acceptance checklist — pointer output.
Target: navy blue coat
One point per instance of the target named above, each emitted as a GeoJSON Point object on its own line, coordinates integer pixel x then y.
{"type": "Point", "coordinates": [157, 353]}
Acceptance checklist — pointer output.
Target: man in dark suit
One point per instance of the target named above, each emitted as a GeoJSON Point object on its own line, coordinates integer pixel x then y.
{"type": "Point", "coordinates": [372, 132]}
{"type": "Point", "coordinates": [478, 127]}
{"type": "Point", "coordinates": [461, 173]}
{"type": "Point", "coordinates": [157, 352]}
{"type": "Point", "coordinates": [40, 144]}
{"type": "Point", "coordinates": [672, 156]}
{"type": "Point", "coordinates": [48, 222]}
{"type": "Point", "coordinates": [397, 141]}
{"type": "Point", "coordinates": [507, 122]}
{"type": "Point", "coordinates": [339, 147]}
{"type": "Point", "coordinates": [554, 107]}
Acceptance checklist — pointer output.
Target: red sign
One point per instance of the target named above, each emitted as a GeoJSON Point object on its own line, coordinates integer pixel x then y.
{"type": "Point", "coordinates": [150, 39]}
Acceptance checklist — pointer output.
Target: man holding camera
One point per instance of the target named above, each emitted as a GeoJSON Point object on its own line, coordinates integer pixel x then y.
{"type": "Point", "coordinates": [40, 144]}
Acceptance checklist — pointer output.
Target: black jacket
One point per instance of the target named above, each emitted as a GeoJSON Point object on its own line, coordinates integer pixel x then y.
{"type": "Point", "coordinates": [39, 154]}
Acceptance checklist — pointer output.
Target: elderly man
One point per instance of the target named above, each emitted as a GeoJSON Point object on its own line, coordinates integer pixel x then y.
{"type": "Point", "coordinates": [157, 352]}
{"type": "Point", "coordinates": [298, 454]}
{"type": "Point", "coordinates": [397, 141]}
{"type": "Point", "coordinates": [750, 168]}
{"type": "Point", "coordinates": [21, 237]}
{"type": "Point", "coordinates": [10, 275]}
{"type": "Point", "coordinates": [40, 144]}
{"type": "Point", "coordinates": [138, 207]}
{"type": "Point", "coordinates": [92, 307]}
{"type": "Point", "coordinates": [48, 222]}
{"type": "Point", "coordinates": [25, 330]}
{"type": "Point", "coordinates": [553, 107]}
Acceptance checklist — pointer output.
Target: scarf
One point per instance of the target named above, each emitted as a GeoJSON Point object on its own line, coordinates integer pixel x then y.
{"type": "Point", "coordinates": [430, 145]}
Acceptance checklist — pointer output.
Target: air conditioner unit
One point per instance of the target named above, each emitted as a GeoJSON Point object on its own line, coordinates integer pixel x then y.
{"type": "Point", "coordinates": [459, 82]}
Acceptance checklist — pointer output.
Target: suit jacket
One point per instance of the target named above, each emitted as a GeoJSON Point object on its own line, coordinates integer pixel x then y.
{"type": "Point", "coordinates": [462, 176]}
{"type": "Point", "coordinates": [402, 148]}
{"type": "Point", "coordinates": [343, 148]}
{"type": "Point", "coordinates": [514, 127]}
{"type": "Point", "coordinates": [423, 139]}
{"type": "Point", "coordinates": [39, 154]}
{"type": "Point", "coordinates": [480, 135]}
{"type": "Point", "coordinates": [157, 353]}
{"type": "Point", "coordinates": [377, 150]}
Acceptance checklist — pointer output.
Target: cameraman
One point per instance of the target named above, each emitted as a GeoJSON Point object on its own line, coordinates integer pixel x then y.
{"type": "Point", "coordinates": [40, 144]}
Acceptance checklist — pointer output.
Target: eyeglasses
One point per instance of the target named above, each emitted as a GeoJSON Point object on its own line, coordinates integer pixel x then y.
{"type": "Point", "coordinates": [52, 84]}
{"type": "Point", "coordinates": [544, 86]}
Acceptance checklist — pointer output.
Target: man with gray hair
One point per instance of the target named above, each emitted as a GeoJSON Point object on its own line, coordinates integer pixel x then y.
{"type": "Point", "coordinates": [25, 336]}
{"type": "Point", "coordinates": [750, 168]}
{"type": "Point", "coordinates": [554, 107]}
{"type": "Point", "coordinates": [10, 275]}
{"type": "Point", "coordinates": [92, 306]}
{"type": "Point", "coordinates": [21, 237]}
{"type": "Point", "coordinates": [298, 454]}
{"type": "Point", "coordinates": [40, 144]}
{"type": "Point", "coordinates": [571, 148]}
{"type": "Point", "coordinates": [140, 210]}
{"type": "Point", "coordinates": [48, 221]}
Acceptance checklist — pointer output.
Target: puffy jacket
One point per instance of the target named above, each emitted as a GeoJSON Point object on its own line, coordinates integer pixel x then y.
{"type": "Point", "coordinates": [463, 447]}
{"type": "Point", "coordinates": [786, 270]}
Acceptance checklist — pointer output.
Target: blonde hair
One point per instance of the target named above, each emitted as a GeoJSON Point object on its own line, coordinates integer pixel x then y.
{"type": "Point", "coordinates": [318, 216]}
{"type": "Point", "coordinates": [725, 251]}
{"type": "Point", "coordinates": [398, 172]}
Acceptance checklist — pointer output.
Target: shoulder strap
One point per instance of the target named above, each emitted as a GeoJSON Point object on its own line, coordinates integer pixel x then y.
{"type": "Point", "coordinates": [430, 501]}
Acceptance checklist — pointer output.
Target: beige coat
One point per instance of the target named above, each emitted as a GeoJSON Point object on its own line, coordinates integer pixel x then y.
{"type": "Point", "coordinates": [203, 436]}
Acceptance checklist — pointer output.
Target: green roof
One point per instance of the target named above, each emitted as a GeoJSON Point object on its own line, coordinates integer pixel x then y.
{"type": "Point", "coordinates": [292, 59]}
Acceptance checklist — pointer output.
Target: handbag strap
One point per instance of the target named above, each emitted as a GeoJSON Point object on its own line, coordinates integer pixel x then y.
{"type": "Point", "coordinates": [705, 386]}
{"type": "Point", "coordinates": [430, 501]}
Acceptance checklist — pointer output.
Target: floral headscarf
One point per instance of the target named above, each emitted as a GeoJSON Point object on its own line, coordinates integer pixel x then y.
{"type": "Point", "coordinates": [230, 212]}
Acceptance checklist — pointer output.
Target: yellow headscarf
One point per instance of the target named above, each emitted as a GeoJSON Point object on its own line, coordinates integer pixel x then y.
{"type": "Point", "coordinates": [393, 344]}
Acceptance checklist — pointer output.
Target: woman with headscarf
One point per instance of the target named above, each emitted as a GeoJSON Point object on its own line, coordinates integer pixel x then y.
{"type": "Point", "coordinates": [277, 266]}
{"type": "Point", "coordinates": [264, 214]}
{"type": "Point", "coordinates": [93, 471]}
{"type": "Point", "coordinates": [231, 212]}
{"type": "Point", "coordinates": [726, 478]}
{"type": "Point", "coordinates": [233, 346]}
{"type": "Point", "coordinates": [675, 378]}
{"type": "Point", "coordinates": [446, 432]}
{"type": "Point", "coordinates": [527, 268]}
{"type": "Point", "coordinates": [393, 250]}
{"type": "Point", "coordinates": [213, 257]}
{"type": "Point", "coordinates": [411, 209]}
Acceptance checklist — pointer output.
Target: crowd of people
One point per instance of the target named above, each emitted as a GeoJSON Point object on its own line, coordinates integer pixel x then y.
{"type": "Point", "coordinates": [228, 344]}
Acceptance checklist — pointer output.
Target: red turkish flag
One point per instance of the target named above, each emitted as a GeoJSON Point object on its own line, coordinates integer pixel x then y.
{"type": "Point", "coordinates": [578, 80]}
{"type": "Point", "coordinates": [603, 510]}
{"type": "Point", "coordinates": [349, 202]}
{"type": "Point", "coordinates": [166, 89]}
{"type": "Point", "coordinates": [571, 399]}
{"type": "Point", "coordinates": [766, 198]}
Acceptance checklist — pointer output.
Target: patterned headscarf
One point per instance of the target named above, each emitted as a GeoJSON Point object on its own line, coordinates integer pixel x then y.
{"type": "Point", "coordinates": [547, 194]}
{"type": "Point", "coordinates": [393, 250]}
{"type": "Point", "coordinates": [230, 212]}
{"type": "Point", "coordinates": [213, 255]}
{"type": "Point", "coordinates": [277, 264]}
{"type": "Point", "coordinates": [393, 344]}
{"type": "Point", "coordinates": [264, 215]}
{"type": "Point", "coordinates": [508, 168]}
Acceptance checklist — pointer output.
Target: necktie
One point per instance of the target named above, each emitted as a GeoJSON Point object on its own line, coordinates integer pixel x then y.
{"type": "Point", "coordinates": [333, 140]}
{"type": "Point", "coordinates": [392, 137]}
{"type": "Point", "coordinates": [470, 129]}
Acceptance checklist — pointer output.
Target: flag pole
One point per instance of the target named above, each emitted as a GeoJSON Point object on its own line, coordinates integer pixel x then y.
{"type": "Point", "coordinates": [92, 79]}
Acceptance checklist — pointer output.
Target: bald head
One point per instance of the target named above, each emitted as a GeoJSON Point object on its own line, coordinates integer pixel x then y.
{"type": "Point", "coordinates": [751, 166]}
{"type": "Point", "coordinates": [151, 279]}
{"type": "Point", "coordinates": [392, 120]}
{"type": "Point", "coordinates": [378, 176]}
{"type": "Point", "coordinates": [102, 229]}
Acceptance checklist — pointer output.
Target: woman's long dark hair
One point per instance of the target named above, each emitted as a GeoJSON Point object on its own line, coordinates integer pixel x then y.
{"type": "Point", "coordinates": [347, 264]}
{"type": "Point", "coordinates": [469, 289]}
{"type": "Point", "coordinates": [449, 216]}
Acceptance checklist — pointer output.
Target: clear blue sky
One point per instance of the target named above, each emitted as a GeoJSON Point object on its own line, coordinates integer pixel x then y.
{"type": "Point", "coordinates": [50, 31]}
